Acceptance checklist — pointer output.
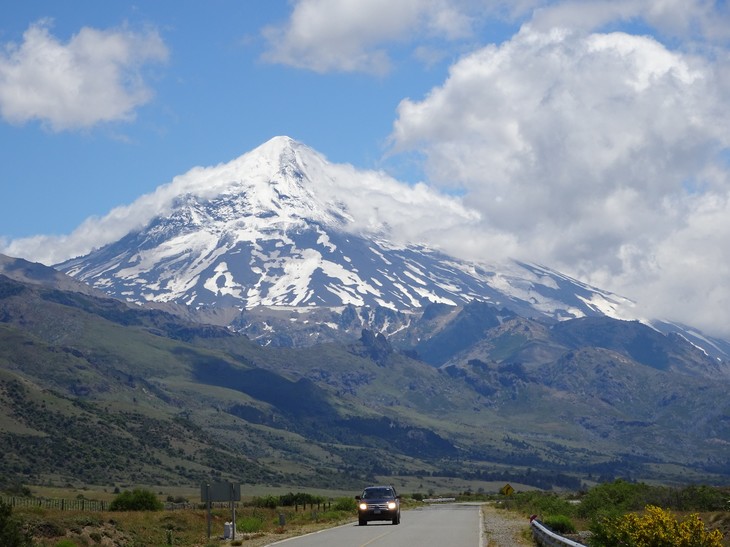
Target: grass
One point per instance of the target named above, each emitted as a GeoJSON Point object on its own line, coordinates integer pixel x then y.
{"type": "Point", "coordinates": [181, 527]}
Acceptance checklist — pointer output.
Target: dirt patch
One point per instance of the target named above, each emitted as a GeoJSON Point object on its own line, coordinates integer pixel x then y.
{"type": "Point", "coordinates": [504, 528]}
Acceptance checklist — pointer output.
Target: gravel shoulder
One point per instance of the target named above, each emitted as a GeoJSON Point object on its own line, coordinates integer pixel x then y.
{"type": "Point", "coordinates": [504, 528]}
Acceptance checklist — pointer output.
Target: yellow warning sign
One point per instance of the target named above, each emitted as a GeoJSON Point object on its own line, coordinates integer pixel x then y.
{"type": "Point", "coordinates": [507, 490]}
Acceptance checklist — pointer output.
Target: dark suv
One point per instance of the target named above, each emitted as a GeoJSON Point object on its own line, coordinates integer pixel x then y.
{"type": "Point", "coordinates": [378, 503]}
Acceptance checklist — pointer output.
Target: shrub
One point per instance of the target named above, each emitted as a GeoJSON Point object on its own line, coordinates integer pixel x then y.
{"type": "Point", "coordinates": [177, 499]}
{"type": "Point", "coordinates": [702, 498]}
{"type": "Point", "coordinates": [17, 489]}
{"type": "Point", "coordinates": [613, 498]}
{"type": "Point", "coordinates": [136, 500]}
{"type": "Point", "coordinates": [65, 543]}
{"type": "Point", "coordinates": [344, 504]}
{"type": "Point", "coordinates": [542, 503]}
{"type": "Point", "coordinates": [11, 531]}
{"type": "Point", "coordinates": [249, 524]}
{"type": "Point", "coordinates": [560, 524]}
{"type": "Point", "coordinates": [300, 498]}
{"type": "Point", "coordinates": [654, 528]}
{"type": "Point", "coordinates": [270, 502]}
{"type": "Point", "coordinates": [43, 528]}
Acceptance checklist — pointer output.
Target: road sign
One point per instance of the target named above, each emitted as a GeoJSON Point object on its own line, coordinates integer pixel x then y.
{"type": "Point", "coordinates": [220, 491]}
{"type": "Point", "coordinates": [507, 490]}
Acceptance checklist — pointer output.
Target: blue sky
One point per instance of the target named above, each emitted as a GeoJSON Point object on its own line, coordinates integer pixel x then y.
{"type": "Point", "coordinates": [591, 136]}
{"type": "Point", "coordinates": [214, 98]}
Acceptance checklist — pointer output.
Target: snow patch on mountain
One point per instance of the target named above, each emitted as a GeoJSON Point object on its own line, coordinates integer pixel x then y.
{"type": "Point", "coordinates": [280, 226]}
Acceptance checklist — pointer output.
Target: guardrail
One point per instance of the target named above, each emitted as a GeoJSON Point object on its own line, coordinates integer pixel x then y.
{"type": "Point", "coordinates": [547, 538]}
{"type": "Point", "coordinates": [438, 500]}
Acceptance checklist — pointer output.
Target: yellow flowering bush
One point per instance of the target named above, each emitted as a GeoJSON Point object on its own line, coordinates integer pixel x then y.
{"type": "Point", "coordinates": [654, 528]}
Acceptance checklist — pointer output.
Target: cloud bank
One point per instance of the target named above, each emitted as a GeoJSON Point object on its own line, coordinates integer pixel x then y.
{"type": "Point", "coordinates": [93, 78]}
{"type": "Point", "coordinates": [603, 155]}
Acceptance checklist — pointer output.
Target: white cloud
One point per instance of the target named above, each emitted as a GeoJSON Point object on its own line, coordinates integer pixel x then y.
{"type": "Point", "coordinates": [93, 78]}
{"type": "Point", "coordinates": [352, 35]}
{"type": "Point", "coordinates": [600, 154]}
{"type": "Point", "coordinates": [93, 233]}
{"type": "Point", "coordinates": [704, 20]}
{"type": "Point", "coordinates": [683, 276]}
{"type": "Point", "coordinates": [375, 200]}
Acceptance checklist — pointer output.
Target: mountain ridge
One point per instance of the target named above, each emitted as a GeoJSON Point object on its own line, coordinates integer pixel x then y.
{"type": "Point", "coordinates": [266, 229]}
{"type": "Point", "coordinates": [275, 228]}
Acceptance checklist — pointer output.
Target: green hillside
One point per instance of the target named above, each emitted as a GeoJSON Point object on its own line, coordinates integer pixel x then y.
{"type": "Point", "coordinates": [93, 391]}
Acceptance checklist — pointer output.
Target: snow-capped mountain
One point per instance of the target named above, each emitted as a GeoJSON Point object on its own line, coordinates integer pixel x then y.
{"type": "Point", "coordinates": [269, 229]}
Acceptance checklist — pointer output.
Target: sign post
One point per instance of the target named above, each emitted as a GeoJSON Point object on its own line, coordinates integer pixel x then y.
{"type": "Point", "coordinates": [221, 491]}
{"type": "Point", "coordinates": [233, 508]}
{"type": "Point", "coordinates": [207, 504]}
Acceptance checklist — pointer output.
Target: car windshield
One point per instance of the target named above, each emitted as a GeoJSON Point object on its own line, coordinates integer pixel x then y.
{"type": "Point", "coordinates": [375, 493]}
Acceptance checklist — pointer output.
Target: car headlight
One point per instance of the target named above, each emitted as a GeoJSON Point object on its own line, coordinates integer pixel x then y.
{"type": "Point", "coordinates": [391, 505]}
{"type": "Point", "coordinates": [363, 506]}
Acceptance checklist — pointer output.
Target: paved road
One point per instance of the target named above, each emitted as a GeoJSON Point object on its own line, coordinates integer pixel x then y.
{"type": "Point", "coordinates": [434, 526]}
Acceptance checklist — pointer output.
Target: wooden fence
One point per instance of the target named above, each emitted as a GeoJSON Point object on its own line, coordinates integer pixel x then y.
{"type": "Point", "coordinates": [62, 504]}
{"type": "Point", "coordinates": [81, 504]}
